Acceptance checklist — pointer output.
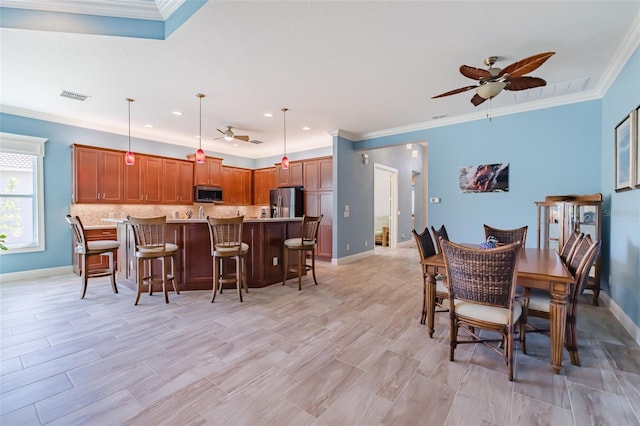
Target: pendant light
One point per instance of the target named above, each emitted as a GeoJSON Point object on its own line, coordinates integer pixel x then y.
{"type": "Point", "coordinates": [129, 157]}
{"type": "Point", "coordinates": [200, 157]}
{"type": "Point", "coordinates": [285, 161]}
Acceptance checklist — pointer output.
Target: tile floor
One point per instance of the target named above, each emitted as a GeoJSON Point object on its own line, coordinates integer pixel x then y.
{"type": "Point", "coordinates": [349, 351]}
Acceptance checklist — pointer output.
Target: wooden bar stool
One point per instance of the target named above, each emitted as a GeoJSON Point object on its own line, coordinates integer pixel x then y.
{"type": "Point", "coordinates": [305, 243]}
{"type": "Point", "coordinates": [149, 236]}
{"type": "Point", "coordinates": [226, 242]}
{"type": "Point", "coordinates": [86, 249]}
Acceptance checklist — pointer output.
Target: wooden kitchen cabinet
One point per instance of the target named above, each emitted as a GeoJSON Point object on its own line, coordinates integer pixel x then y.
{"type": "Point", "coordinates": [236, 186]}
{"type": "Point", "coordinates": [143, 180]}
{"type": "Point", "coordinates": [292, 176]}
{"type": "Point", "coordinates": [208, 173]}
{"type": "Point", "coordinates": [318, 200]}
{"type": "Point", "coordinates": [263, 181]}
{"type": "Point", "coordinates": [177, 187]}
{"type": "Point", "coordinates": [98, 175]}
{"type": "Point", "coordinates": [94, 262]}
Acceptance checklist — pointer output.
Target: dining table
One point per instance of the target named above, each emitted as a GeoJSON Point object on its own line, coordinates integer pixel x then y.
{"type": "Point", "coordinates": [537, 268]}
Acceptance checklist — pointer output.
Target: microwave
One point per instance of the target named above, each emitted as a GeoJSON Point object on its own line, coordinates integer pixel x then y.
{"type": "Point", "coordinates": [207, 194]}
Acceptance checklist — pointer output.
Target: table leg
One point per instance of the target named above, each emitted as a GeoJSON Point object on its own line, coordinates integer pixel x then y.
{"type": "Point", "coordinates": [430, 300]}
{"type": "Point", "coordinates": [557, 320]}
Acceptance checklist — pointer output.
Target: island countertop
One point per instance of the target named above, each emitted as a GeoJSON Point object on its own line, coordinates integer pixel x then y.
{"type": "Point", "coordinates": [194, 220]}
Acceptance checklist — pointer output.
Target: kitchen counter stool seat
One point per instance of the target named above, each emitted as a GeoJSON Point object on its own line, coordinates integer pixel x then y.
{"type": "Point", "coordinates": [226, 242]}
{"type": "Point", "coordinates": [86, 249]}
{"type": "Point", "coordinates": [305, 243]}
{"type": "Point", "coordinates": [149, 236]}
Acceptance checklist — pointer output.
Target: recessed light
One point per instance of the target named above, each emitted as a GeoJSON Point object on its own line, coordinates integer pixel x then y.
{"type": "Point", "coordinates": [438, 116]}
{"type": "Point", "coordinates": [235, 144]}
{"type": "Point", "coordinates": [268, 114]}
{"type": "Point", "coordinates": [149, 126]}
{"type": "Point", "coordinates": [176, 113]}
{"type": "Point", "coordinates": [306, 128]}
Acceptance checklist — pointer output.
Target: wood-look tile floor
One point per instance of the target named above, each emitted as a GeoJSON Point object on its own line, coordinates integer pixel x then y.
{"type": "Point", "coordinates": [350, 351]}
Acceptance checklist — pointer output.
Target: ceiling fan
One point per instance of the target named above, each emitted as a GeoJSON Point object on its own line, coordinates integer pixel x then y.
{"type": "Point", "coordinates": [228, 135]}
{"type": "Point", "coordinates": [493, 80]}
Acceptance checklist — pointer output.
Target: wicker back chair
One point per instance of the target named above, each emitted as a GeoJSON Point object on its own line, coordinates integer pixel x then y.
{"type": "Point", "coordinates": [482, 295]}
{"type": "Point", "coordinates": [438, 234]}
{"type": "Point", "coordinates": [538, 304]}
{"type": "Point", "coordinates": [570, 246]}
{"type": "Point", "coordinates": [507, 236]}
{"type": "Point", "coordinates": [426, 249]}
{"type": "Point", "coordinates": [579, 253]}
{"type": "Point", "coordinates": [225, 235]}
{"type": "Point", "coordinates": [149, 236]}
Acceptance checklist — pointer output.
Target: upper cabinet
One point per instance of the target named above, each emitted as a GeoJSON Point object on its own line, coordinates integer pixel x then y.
{"type": "Point", "coordinates": [318, 174]}
{"type": "Point", "coordinates": [98, 175]}
{"type": "Point", "coordinates": [236, 186]}
{"type": "Point", "coordinates": [143, 180]}
{"type": "Point", "coordinates": [208, 173]}
{"type": "Point", "coordinates": [263, 181]}
{"type": "Point", "coordinates": [291, 176]}
{"type": "Point", "coordinates": [177, 181]}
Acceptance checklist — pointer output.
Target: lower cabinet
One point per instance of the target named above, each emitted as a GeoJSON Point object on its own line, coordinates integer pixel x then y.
{"type": "Point", "coordinates": [94, 262]}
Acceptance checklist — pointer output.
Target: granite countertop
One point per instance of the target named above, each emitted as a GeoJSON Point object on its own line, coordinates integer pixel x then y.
{"type": "Point", "coordinates": [268, 219]}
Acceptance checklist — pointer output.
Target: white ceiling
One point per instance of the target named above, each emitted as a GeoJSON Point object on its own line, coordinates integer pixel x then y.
{"type": "Point", "coordinates": [365, 68]}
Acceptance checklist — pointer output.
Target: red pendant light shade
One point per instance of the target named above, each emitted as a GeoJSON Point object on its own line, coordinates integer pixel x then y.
{"type": "Point", "coordinates": [285, 161]}
{"type": "Point", "coordinates": [129, 157]}
{"type": "Point", "coordinates": [200, 156]}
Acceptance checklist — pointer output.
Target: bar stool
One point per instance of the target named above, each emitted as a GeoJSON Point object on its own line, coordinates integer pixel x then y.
{"type": "Point", "coordinates": [305, 243]}
{"type": "Point", "coordinates": [86, 249]}
{"type": "Point", "coordinates": [149, 236]}
{"type": "Point", "coordinates": [226, 242]}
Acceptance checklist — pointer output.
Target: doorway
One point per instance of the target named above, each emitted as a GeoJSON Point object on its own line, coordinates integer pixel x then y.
{"type": "Point", "coordinates": [385, 205]}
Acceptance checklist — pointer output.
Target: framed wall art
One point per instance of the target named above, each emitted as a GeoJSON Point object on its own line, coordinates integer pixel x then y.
{"type": "Point", "coordinates": [485, 178]}
{"type": "Point", "coordinates": [635, 139]}
{"type": "Point", "coordinates": [623, 168]}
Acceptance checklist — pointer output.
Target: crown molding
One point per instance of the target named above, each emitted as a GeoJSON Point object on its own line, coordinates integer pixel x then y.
{"type": "Point", "coordinates": [629, 45]}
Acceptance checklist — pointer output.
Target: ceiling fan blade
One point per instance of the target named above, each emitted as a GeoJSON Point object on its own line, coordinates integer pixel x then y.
{"type": "Point", "coordinates": [220, 131]}
{"type": "Point", "coordinates": [526, 65]}
{"type": "Point", "coordinates": [477, 100]}
{"type": "Point", "coordinates": [453, 92]}
{"type": "Point", "coordinates": [524, 83]}
{"type": "Point", "coordinates": [474, 73]}
{"type": "Point", "coordinates": [242, 137]}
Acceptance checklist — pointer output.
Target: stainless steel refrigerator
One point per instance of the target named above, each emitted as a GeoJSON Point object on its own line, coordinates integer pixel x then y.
{"type": "Point", "coordinates": [287, 202]}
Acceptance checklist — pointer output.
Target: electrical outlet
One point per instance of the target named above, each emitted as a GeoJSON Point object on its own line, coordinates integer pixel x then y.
{"type": "Point", "coordinates": [275, 261]}
{"type": "Point", "coordinates": [347, 246]}
{"type": "Point", "coordinates": [366, 243]}
{"type": "Point", "coordinates": [403, 237]}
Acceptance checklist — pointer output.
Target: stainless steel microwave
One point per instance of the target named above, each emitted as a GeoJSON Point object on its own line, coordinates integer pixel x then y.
{"type": "Point", "coordinates": [207, 194]}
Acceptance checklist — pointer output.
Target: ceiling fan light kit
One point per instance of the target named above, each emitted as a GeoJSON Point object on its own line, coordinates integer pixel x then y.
{"type": "Point", "coordinates": [492, 81]}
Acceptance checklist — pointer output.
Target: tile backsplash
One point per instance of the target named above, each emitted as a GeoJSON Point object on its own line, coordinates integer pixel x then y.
{"type": "Point", "coordinates": [92, 214]}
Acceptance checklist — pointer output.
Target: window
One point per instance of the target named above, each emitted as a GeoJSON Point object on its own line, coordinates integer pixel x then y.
{"type": "Point", "coordinates": [21, 193]}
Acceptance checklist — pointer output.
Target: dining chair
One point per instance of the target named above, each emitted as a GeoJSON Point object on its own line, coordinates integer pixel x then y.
{"type": "Point", "coordinates": [570, 246]}
{"type": "Point", "coordinates": [304, 244]}
{"type": "Point", "coordinates": [438, 234]}
{"type": "Point", "coordinates": [87, 249]}
{"type": "Point", "coordinates": [482, 296]}
{"type": "Point", "coordinates": [150, 244]}
{"type": "Point", "coordinates": [538, 304]}
{"type": "Point", "coordinates": [506, 236]}
{"type": "Point", "coordinates": [427, 249]}
{"type": "Point", "coordinates": [226, 242]}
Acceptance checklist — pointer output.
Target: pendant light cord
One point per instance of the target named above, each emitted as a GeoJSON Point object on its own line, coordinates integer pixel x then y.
{"type": "Point", "coordinates": [284, 110]}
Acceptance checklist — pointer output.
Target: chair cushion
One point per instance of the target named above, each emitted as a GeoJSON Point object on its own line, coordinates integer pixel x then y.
{"type": "Point", "coordinates": [298, 243]}
{"type": "Point", "coordinates": [487, 313]}
{"type": "Point", "coordinates": [102, 245]}
{"type": "Point", "coordinates": [540, 302]}
{"type": "Point", "coordinates": [440, 287]}
{"type": "Point", "coordinates": [150, 252]}
{"type": "Point", "coordinates": [228, 249]}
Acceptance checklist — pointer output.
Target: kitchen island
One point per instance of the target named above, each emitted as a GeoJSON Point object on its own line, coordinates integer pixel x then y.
{"type": "Point", "coordinates": [194, 263]}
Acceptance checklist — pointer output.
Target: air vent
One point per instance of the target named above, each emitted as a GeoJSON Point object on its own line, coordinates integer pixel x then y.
{"type": "Point", "coordinates": [255, 141]}
{"type": "Point", "coordinates": [73, 95]}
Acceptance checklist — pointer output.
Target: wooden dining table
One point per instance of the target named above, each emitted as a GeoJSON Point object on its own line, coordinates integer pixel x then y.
{"type": "Point", "coordinates": [537, 268]}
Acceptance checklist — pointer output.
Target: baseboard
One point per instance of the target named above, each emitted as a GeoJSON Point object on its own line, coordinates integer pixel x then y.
{"type": "Point", "coordinates": [36, 273]}
{"type": "Point", "coordinates": [352, 258]}
{"type": "Point", "coordinates": [621, 316]}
